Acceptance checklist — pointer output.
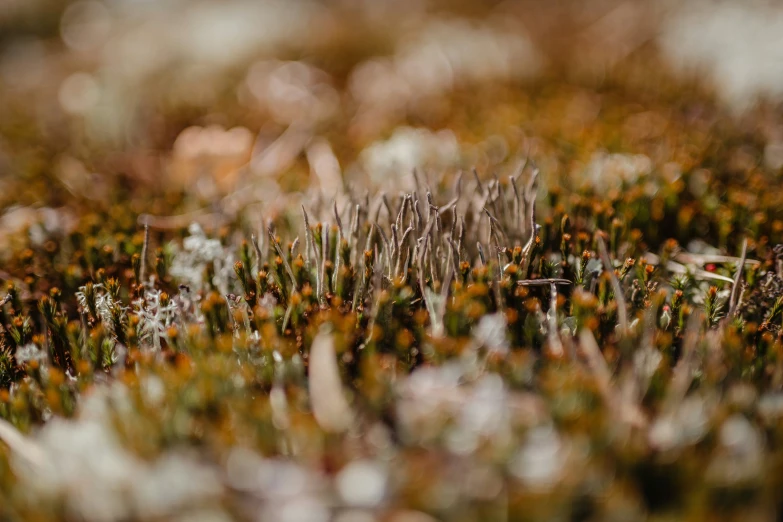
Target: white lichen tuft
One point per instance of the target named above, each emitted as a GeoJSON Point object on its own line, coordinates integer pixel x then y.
{"type": "Point", "coordinates": [30, 352]}
{"type": "Point", "coordinates": [190, 263]}
{"type": "Point", "coordinates": [155, 318]}
{"type": "Point", "coordinates": [104, 304]}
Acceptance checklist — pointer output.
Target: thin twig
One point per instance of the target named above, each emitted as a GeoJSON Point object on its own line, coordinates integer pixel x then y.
{"type": "Point", "coordinates": [555, 346]}
{"type": "Point", "coordinates": [282, 256]}
{"type": "Point", "coordinates": [737, 279]}
{"type": "Point", "coordinates": [257, 248]}
{"type": "Point", "coordinates": [144, 247]}
{"type": "Point", "coordinates": [622, 312]}
{"type": "Point", "coordinates": [544, 282]}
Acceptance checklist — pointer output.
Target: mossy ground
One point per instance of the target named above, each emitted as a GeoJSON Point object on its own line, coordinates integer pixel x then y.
{"type": "Point", "coordinates": [576, 318]}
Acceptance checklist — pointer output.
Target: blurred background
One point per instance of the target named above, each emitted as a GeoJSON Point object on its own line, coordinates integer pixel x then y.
{"type": "Point", "coordinates": [162, 107]}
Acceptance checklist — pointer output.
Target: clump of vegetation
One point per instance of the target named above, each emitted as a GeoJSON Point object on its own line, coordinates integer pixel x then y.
{"type": "Point", "coordinates": [531, 339]}
{"type": "Point", "coordinates": [575, 313]}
